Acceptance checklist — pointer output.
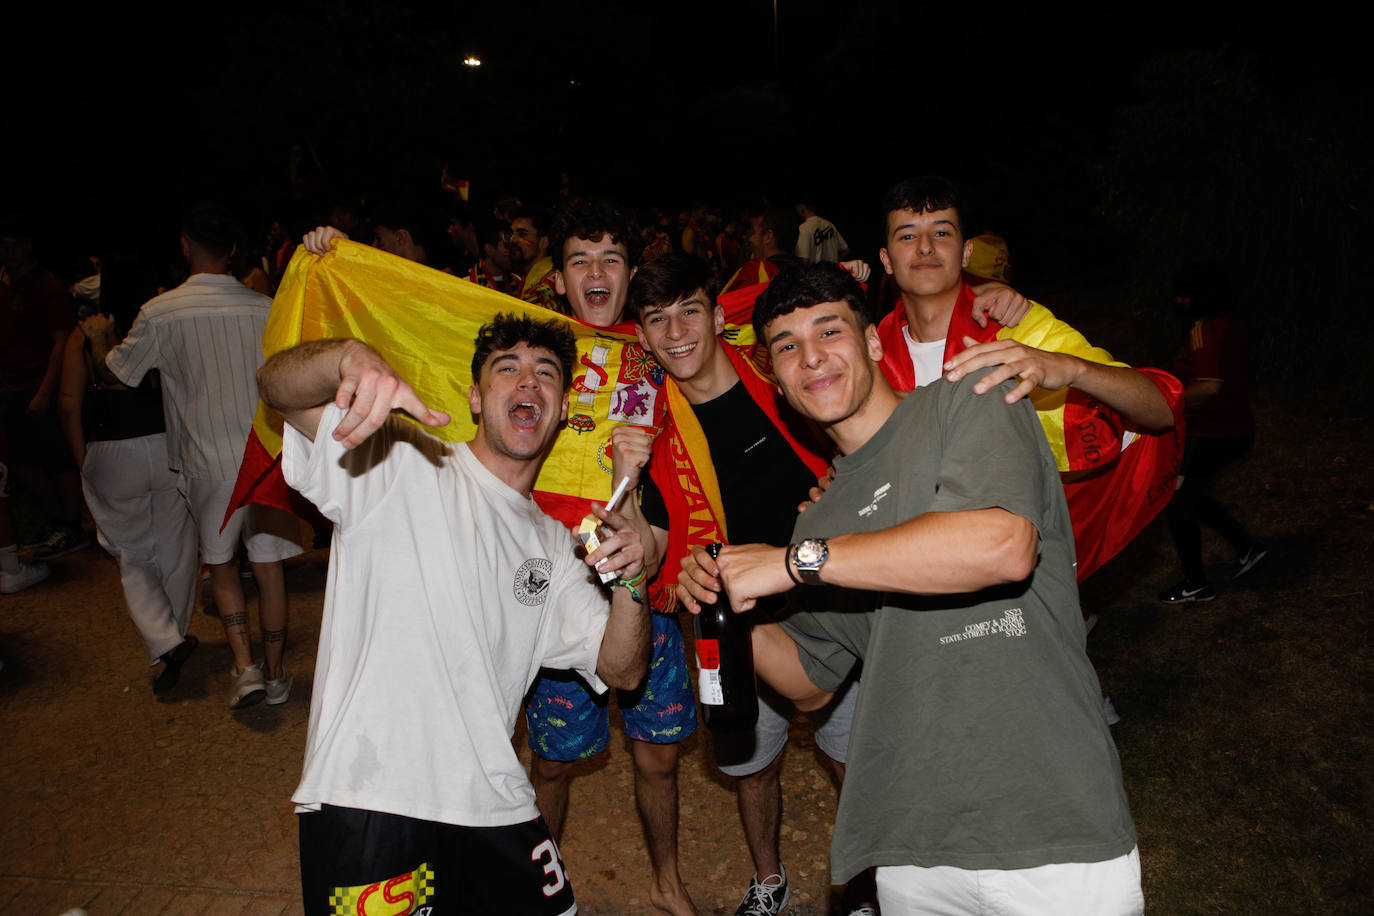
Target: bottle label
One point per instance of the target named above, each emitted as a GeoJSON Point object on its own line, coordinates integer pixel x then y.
{"type": "Point", "coordinates": [709, 687]}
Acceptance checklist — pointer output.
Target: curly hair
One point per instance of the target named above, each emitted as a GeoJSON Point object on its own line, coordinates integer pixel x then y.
{"type": "Point", "coordinates": [504, 332]}
{"type": "Point", "coordinates": [593, 220]}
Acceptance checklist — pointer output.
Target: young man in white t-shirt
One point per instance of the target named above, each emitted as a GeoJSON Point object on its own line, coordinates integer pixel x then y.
{"type": "Point", "coordinates": [448, 589]}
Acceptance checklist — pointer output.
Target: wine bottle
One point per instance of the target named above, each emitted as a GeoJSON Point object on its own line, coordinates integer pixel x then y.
{"type": "Point", "coordinates": [725, 665]}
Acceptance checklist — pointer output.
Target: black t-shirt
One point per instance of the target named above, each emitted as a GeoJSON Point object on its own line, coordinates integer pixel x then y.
{"type": "Point", "coordinates": [761, 479]}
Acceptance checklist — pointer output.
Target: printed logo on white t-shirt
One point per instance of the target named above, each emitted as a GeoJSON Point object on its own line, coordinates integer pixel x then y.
{"type": "Point", "coordinates": [532, 581]}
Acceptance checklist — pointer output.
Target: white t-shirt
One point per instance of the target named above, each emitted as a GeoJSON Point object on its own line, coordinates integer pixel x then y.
{"type": "Point", "coordinates": [927, 358]}
{"type": "Point", "coordinates": [205, 337]}
{"type": "Point", "coordinates": [447, 591]}
{"type": "Point", "coordinates": [818, 240]}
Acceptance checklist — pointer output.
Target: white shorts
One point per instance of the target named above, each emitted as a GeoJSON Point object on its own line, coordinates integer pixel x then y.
{"type": "Point", "coordinates": [269, 534]}
{"type": "Point", "coordinates": [746, 755]}
{"type": "Point", "coordinates": [1110, 888]}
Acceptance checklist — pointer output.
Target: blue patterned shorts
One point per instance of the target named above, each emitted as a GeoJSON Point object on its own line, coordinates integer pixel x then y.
{"type": "Point", "coordinates": [567, 721]}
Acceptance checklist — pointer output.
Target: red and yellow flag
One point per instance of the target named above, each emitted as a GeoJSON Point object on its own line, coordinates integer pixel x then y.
{"type": "Point", "coordinates": [424, 323]}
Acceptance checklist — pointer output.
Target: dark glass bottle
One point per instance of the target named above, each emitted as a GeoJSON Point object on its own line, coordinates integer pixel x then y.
{"type": "Point", "coordinates": [726, 690]}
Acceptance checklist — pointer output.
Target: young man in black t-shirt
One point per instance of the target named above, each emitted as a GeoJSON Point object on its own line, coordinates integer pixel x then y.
{"type": "Point", "coordinates": [762, 475]}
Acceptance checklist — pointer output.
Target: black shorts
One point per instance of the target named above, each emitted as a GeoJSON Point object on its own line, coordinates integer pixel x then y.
{"type": "Point", "coordinates": [365, 863]}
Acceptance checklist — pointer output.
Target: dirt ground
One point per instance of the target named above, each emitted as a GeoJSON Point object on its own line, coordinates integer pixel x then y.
{"type": "Point", "coordinates": [1245, 740]}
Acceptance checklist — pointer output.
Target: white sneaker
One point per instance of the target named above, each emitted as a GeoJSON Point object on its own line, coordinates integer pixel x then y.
{"type": "Point", "coordinates": [279, 691]}
{"type": "Point", "coordinates": [28, 574]}
{"type": "Point", "coordinates": [249, 687]}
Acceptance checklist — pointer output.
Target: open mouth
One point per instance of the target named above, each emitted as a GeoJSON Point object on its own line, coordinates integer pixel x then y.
{"type": "Point", "coordinates": [679, 352]}
{"type": "Point", "coordinates": [598, 296]}
{"type": "Point", "coordinates": [525, 415]}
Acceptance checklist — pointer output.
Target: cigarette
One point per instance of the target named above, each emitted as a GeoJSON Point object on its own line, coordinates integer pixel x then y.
{"type": "Point", "coordinates": [619, 492]}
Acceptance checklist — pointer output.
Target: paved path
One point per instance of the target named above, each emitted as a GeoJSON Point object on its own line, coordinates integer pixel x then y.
{"type": "Point", "coordinates": [130, 805]}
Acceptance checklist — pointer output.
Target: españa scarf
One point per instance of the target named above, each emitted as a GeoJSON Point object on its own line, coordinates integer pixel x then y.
{"type": "Point", "coordinates": [682, 469]}
{"type": "Point", "coordinates": [1116, 480]}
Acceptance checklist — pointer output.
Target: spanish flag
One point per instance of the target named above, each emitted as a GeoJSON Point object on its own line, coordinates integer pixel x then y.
{"type": "Point", "coordinates": [423, 322]}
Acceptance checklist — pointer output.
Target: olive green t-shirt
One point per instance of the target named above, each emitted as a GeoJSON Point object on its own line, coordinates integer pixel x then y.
{"type": "Point", "coordinates": [979, 740]}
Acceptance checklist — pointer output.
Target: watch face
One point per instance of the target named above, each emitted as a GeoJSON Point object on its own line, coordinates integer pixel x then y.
{"type": "Point", "coordinates": [810, 551]}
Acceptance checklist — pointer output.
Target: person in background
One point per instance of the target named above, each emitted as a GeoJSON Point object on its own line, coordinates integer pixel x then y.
{"type": "Point", "coordinates": [37, 314]}
{"type": "Point", "coordinates": [817, 238]}
{"type": "Point", "coordinates": [205, 338]}
{"type": "Point", "coordinates": [118, 437]}
{"type": "Point", "coordinates": [493, 269]}
{"type": "Point", "coordinates": [529, 257]}
{"type": "Point", "coordinates": [1214, 366]}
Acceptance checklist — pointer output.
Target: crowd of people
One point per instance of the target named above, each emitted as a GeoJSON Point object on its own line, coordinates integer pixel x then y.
{"type": "Point", "coordinates": [922, 608]}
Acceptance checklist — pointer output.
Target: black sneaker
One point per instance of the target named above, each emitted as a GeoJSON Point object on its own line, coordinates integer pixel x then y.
{"type": "Point", "coordinates": [171, 665]}
{"type": "Point", "coordinates": [765, 899]}
{"type": "Point", "coordinates": [1252, 556]}
{"type": "Point", "coordinates": [1186, 592]}
{"type": "Point", "coordinates": [61, 542]}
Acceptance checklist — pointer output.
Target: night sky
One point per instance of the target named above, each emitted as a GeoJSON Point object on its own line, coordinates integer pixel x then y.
{"type": "Point", "coordinates": [1122, 135]}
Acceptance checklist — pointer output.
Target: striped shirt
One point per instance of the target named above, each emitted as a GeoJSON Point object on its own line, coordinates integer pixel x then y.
{"type": "Point", "coordinates": [205, 337]}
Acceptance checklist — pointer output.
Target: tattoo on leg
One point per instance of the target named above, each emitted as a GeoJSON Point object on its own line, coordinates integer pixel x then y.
{"type": "Point", "coordinates": [274, 635]}
{"type": "Point", "coordinates": [236, 619]}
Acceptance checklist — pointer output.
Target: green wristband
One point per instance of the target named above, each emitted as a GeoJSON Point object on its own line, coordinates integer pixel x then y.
{"type": "Point", "coordinates": [629, 586]}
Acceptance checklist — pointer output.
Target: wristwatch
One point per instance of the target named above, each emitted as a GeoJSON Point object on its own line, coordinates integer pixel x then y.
{"type": "Point", "coordinates": [809, 556]}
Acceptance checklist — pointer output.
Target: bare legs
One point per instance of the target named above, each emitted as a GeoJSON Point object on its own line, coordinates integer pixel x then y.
{"type": "Point", "coordinates": [759, 796]}
{"type": "Point", "coordinates": [272, 609]}
{"type": "Point", "coordinates": [551, 779]}
{"type": "Point", "coordinates": [656, 799]}
{"type": "Point", "coordinates": [228, 591]}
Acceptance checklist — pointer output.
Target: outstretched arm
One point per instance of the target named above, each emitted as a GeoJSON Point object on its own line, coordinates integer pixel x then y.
{"type": "Point", "coordinates": [1124, 390]}
{"type": "Point", "coordinates": [937, 553]}
{"type": "Point", "coordinates": [299, 382]}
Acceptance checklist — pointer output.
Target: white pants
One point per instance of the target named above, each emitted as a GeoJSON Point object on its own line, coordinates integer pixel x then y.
{"type": "Point", "coordinates": [1110, 888]}
{"type": "Point", "coordinates": [144, 522]}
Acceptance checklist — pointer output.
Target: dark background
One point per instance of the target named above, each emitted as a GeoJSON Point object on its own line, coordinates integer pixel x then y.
{"type": "Point", "coordinates": [1107, 143]}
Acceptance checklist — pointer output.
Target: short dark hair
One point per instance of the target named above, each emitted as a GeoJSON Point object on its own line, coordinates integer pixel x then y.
{"type": "Point", "coordinates": [786, 226]}
{"type": "Point", "coordinates": [805, 286]}
{"type": "Point", "coordinates": [210, 226]}
{"type": "Point", "coordinates": [924, 194]}
{"type": "Point", "coordinates": [593, 220]}
{"type": "Point", "coordinates": [504, 332]}
{"type": "Point", "coordinates": [669, 278]}
{"type": "Point", "coordinates": [488, 230]}
{"type": "Point", "coordinates": [538, 217]}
